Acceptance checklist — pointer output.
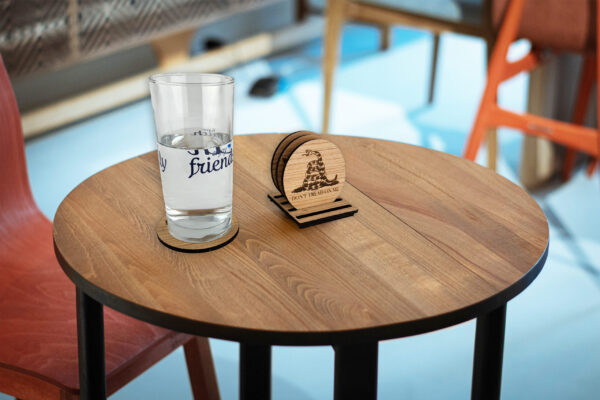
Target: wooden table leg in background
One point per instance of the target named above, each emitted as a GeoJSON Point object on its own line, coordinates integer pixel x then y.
{"type": "Point", "coordinates": [356, 371]}
{"type": "Point", "coordinates": [489, 348]}
{"type": "Point", "coordinates": [255, 372]}
{"type": "Point", "coordinates": [90, 340]}
{"type": "Point", "coordinates": [537, 155]}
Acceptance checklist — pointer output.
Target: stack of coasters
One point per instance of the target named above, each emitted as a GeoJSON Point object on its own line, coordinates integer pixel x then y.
{"type": "Point", "coordinates": [309, 173]}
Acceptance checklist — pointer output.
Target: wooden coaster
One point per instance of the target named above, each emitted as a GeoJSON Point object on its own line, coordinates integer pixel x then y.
{"type": "Point", "coordinates": [285, 155]}
{"type": "Point", "coordinates": [279, 149]}
{"type": "Point", "coordinates": [169, 241]}
{"type": "Point", "coordinates": [314, 215]}
{"type": "Point", "coordinates": [314, 173]}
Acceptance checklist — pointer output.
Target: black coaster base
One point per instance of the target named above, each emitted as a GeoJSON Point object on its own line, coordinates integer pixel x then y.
{"type": "Point", "coordinates": [165, 237]}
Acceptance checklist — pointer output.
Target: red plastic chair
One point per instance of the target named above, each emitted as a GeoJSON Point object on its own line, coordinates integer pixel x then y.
{"type": "Point", "coordinates": [38, 334]}
{"type": "Point", "coordinates": [559, 25]}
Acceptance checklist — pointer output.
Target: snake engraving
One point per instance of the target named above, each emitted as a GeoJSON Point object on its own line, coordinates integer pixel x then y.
{"type": "Point", "coordinates": [315, 177]}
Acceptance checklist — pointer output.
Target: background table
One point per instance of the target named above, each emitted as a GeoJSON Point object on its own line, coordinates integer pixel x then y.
{"type": "Point", "coordinates": [437, 241]}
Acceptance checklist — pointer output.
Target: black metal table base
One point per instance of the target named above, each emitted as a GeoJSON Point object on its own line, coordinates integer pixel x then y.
{"type": "Point", "coordinates": [255, 372]}
{"type": "Point", "coordinates": [90, 341]}
{"type": "Point", "coordinates": [489, 348]}
{"type": "Point", "coordinates": [355, 365]}
{"type": "Point", "coordinates": [356, 372]}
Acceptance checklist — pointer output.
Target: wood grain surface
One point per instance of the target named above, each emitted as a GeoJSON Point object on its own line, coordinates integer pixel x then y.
{"type": "Point", "coordinates": [438, 240]}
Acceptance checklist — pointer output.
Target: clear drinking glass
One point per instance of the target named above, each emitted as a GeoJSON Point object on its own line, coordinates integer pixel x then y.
{"type": "Point", "coordinates": [193, 113]}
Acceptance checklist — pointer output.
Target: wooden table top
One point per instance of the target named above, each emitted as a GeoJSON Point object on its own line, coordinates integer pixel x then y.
{"type": "Point", "coordinates": [437, 240]}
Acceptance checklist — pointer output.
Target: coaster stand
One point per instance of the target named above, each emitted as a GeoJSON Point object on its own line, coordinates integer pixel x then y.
{"type": "Point", "coordinates": [316, 214]}
{"type": "Point", "coordinates": [309, 173]}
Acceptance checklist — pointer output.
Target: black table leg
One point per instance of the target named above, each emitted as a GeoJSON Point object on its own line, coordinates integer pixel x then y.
{"type": "Point", "coordinates": [90, 340]}
{"type": "Point", "coordinates": [255, 372]}
{"type": "Point", "coordinates": [356, 371]}
{"type": "Point", "coordinates": [489, 348]}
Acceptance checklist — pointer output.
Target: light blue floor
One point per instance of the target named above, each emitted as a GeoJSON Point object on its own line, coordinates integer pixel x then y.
{"type": "Point", "coordinates": [552, 346]}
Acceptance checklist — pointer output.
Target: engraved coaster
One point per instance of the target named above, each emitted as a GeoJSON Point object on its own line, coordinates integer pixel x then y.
{"type": "Point", "coordinates": [285, 155]}
{"type": "Point", "coordinates": [169, 241]}
{"type": "Point", "coordinates": [314, 172]}
{"type": "Point", "coordinates": [280, 148]}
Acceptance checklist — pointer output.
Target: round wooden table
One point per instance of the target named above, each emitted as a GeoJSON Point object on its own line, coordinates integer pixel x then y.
{"type": "Point", "coordinates": [437, 240]}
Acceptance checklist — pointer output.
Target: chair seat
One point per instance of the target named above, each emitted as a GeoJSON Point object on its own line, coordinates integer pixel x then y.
{"type": "Point", "coordinates": [38, 328]}
{"type": "Point", "coordinates": [567, 25]}
{"type": "Point", "coordinates": [468, 11]}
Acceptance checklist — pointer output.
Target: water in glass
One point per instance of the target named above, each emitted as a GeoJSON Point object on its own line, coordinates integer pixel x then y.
{"type": "Point", "coordinates": [196, 169]}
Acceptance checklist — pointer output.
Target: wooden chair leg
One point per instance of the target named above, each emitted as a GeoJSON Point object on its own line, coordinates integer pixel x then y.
{"type": "Point", "coordinates": [385, 37]}
{"type": "Point", "coordinates": [333, 26]}
{"type": "Point", "coordinates": [586, 82]}
{"type": "Point", "coordinates": [492, 134]}
{"type": "Point", "coordinates": [201, 369]}
{"type": "Point", "coordinates": [434, 61]}
{"type": "Point", "coordinates": [492, 149]}
{"type": "Point", "coordinates": [302, 9]}
{"type": "Point", "coordinates": [173, 49]}
{"type": "Point", "coordinates": [508, 33]}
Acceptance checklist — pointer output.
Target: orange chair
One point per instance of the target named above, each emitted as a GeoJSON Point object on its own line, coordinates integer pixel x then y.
{"type": "Point", "coordinates": [38, 333]}
{"type": "Point", "coordinates": [559, 25]}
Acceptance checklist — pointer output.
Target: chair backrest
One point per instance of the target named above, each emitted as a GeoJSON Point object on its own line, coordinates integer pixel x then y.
{"type": "Point", "coordinates": [16, 200]}
{"type": "Point", "coordinates": [567, 25]}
